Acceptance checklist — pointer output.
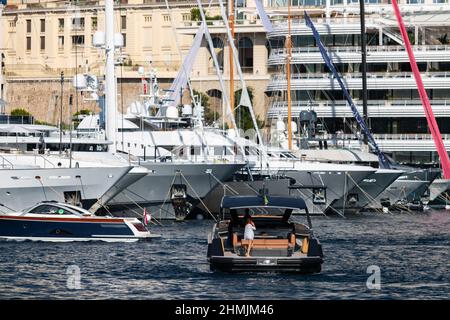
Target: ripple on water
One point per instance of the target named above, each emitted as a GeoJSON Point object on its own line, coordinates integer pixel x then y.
{"type": "Point", "coordinates": [412, 252]}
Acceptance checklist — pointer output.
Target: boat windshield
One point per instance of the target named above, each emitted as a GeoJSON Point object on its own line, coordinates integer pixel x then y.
{"type": "Point", "coordinates": [50, 209]}
{"type": "Point", "coordinates": [256, 211]}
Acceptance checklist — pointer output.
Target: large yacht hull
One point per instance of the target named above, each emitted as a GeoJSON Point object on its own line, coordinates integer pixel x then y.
{"type": "Point", "coordinates": [154, 190]}
{"type": "Point", "coordinates": [439, 193]}
{"type": "Point", "coordinates": [297, 183]}
{"type": "Point", "coordinates": [320, 189]}
{"type": "Point", "coordinates": [397, 191]}
{"type": "Point", "coordinates": [366, 191]}
{"type": "Point", "coordinates": [22, 188]}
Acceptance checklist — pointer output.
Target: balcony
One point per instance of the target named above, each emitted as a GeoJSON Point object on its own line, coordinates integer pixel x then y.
{"type": "Point", "coordinates": [375, 54]}
{"type": "Point", "coordinates": [400, 142]}
{"type": "Point", "coordinates": [375, 108]}
{"type": "Point", "coordinates": [218, 26]}
{"type": "Point", "coordinates": [353, 81]}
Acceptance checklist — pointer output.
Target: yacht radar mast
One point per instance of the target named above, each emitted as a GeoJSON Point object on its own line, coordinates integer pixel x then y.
{"type": "Point", "coordinates": [110, 88]}
{"type": "Point", "coordinates": [230, 53]}
{"type": "Point", "coordinates": [288, 77]}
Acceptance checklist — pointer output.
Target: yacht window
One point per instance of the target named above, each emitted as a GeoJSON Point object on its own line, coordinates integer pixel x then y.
{"type": "Point", "coordinates": [49, 209]}
{"type": "Point", "coordinates": [76, 210]}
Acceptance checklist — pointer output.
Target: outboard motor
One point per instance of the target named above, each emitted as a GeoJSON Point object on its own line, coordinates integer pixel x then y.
{"type": "Point", "coordinates": [180, 203]}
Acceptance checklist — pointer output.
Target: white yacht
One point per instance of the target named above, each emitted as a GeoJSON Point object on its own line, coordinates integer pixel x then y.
{"type": "Point", "coordinates": [33, 170]}
{"type": "Point", "coordinates": [320, 184]}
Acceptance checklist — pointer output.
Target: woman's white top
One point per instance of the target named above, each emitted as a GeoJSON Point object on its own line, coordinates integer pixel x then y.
{"type": "Point", "coordinates": [248, 232]}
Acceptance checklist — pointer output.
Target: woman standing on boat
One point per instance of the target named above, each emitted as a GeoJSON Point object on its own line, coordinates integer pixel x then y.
{"type": "Point", "coordinates": [249, 234]}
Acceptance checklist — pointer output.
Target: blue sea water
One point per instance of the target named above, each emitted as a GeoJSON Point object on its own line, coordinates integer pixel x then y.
{"type": "Point", "coordinates": [411, 250]}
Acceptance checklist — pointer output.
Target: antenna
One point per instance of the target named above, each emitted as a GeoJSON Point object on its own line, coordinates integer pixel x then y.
{"type": "Point", "coordinates": [288, 77]}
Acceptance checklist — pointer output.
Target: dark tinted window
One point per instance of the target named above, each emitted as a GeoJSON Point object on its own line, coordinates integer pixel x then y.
{"type": "Point", "coordinates": [49, 209]}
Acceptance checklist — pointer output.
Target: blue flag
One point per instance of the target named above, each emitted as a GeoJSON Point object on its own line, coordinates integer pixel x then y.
{"type": "Point", "coordinates": [384, 163]}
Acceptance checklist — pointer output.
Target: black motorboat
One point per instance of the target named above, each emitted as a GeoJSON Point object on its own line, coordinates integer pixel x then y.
{"type": "Point", "coordinates": [279, 245]}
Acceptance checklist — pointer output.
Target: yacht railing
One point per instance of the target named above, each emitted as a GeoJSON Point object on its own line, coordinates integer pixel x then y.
{"type": "Point", "coordinates": [356, 49]}
{"type": "Point", "coordinates": [45, 160]}
{"type": "Point", "coordinates": [388, 136]}
{"type": "Point", "coordinates": [220, 23]}
{"type": "Point", "coordinates": [397, 103]}
{"type": "Point", "coordinates": [6, 164]}
{"type": "Point", "coordinates": [357, 75]}
{"type": "Point", "coordinates": [188, 157]}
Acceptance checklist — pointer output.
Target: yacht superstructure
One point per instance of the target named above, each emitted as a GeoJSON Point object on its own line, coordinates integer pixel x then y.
{"type": "Point", "coordinates": [395, 113]}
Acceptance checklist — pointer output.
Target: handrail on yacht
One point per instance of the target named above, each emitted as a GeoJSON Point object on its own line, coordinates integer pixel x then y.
{"type": "Point", "coordinates": [336, 103]}
{"type": "Point", "coordinates": [7, 161]}
{"type": "Point", "coordinates": [439, 48]}
{"type": "Point", "coordinates": [357, 75]}
{"type": "Point", "coordinates": [391, 136]}
{"type": "Point", "coordinates": [43, 158]}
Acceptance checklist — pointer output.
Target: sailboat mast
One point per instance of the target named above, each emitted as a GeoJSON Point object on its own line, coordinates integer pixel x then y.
{"type": "Point", "coordinates": [110, 88]}
{"type": "Point", "coordinates": [230, 53]}
{"type": "Point", "coordinates": [288, 77]}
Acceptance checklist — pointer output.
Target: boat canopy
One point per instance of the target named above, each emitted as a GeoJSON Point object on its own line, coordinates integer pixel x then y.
{"type": "Point", "coordinates": [234, 202]}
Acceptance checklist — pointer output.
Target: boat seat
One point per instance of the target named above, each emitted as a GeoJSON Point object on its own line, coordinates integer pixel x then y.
{"type": "Point", "coordinates": [268, 243]}
{"type": "Point", "coordinates": [264, 243]}
{"type": "Point", "coordinates": [292, 240]}
{"type": "Point", "coordinates": [305, 245]}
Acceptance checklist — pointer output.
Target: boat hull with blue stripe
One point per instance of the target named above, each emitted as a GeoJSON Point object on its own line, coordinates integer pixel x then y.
{"type": "Point", "coordinates": [59, 222]}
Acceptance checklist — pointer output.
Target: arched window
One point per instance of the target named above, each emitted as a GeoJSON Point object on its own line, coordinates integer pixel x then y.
{"type": "Point", "coordinates": [245, 47]}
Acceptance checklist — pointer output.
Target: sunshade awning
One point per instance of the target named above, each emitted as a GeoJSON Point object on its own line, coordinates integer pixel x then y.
{"type": "Point", "coordinates": [260, 201]}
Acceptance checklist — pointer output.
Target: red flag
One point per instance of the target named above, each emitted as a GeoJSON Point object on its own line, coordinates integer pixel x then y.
{"type": "Point", "coordinates": [146, 217]}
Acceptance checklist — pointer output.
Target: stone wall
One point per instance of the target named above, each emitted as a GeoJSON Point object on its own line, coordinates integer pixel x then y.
{"type": "Point", "coordinates": [42, 97]}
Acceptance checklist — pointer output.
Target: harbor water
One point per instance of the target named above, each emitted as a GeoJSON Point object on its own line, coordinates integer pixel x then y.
{"type": "Point", "coordinates": [410, 250]}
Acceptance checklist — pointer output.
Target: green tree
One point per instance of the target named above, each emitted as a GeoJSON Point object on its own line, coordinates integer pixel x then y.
{"type": "Point", "coordinates": [20, 112]}
{"type": "Point", "coordinates": [44, 123]}
{"type": "Point", "coordinates": [242, 114]}
{"type": "Point", "coordinates": [195, 14]}
{"type": "Point", "coordinates": [209, 115]}
{"type": "Point", "coordinates": [85, 112]}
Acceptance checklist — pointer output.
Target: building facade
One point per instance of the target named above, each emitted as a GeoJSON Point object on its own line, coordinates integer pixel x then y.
{"type": "Point", "coordinates": [43, 38]}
